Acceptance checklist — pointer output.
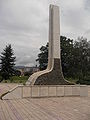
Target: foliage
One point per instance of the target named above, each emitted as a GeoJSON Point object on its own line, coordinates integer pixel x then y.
{"type": "Point", "coordinates": [17, 73]}
{"type": "Point", "coordinates": [43, 57]}
{"type": "Point", "coordinates": [86, 80]}
{"type": "Point", "coordinates": [81, 62]}
{"type": "Point", "coordinates": [28, 73]}
{"type": "Point", "coordinates": [75, 57]}
{"type": "Point", "coordinates": [7, 62]}
{"type": "Point", "coordinates": [0, 78]}
{"type": "Point", "coordinates": [66, 55]}
{"type": "Point", "coordinates": [16, 79]}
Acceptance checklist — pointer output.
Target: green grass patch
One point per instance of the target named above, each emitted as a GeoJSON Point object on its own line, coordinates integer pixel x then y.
{"type": "Point", "coordinates": [82, 81]}
{"type": "Point", "coordinates": [72, 80]}
{"type": "Point", "coordinates": [16, 79]}
{"type": "Point", "coordinates": [85, 80]}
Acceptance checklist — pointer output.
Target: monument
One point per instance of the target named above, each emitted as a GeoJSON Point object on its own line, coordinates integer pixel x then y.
{"type": "Point", "coordinates": [53, 74]}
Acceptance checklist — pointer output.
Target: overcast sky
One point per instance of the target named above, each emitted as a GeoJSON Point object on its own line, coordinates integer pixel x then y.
{"type": "Point", "coordinates": [24, 25]}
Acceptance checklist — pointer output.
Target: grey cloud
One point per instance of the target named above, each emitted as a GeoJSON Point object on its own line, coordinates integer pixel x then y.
{"type": "Point", "coordinates": [87, 5]}
{"type": "Point", "coordinates": [24, 24]}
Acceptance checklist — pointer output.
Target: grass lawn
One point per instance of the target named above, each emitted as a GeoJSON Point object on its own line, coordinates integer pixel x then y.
{"type": "Point", "coordinates": [23, 79]}
{"type": "Point", "coordinates": [84, 81]}
{"type": "Point", "coordinates": [16, 79]}
{"type": "Point", "coordinates": [72, 80]}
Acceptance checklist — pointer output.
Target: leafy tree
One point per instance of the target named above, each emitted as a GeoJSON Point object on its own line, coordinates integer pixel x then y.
{"type": "Point", "coordinates": [82, 57]}
{"type": "Point", "coordinates": [17, 73]}
{"type": "Point", "coordinates": [43, 57]}
{"type": "Point", "coordinates": [28, 73]}
{"type": "Point", "coordinates": [75, 58]}
{"type": "Point", "coordinates": [7, 62]}
{"type": "Point", "coordinates": [66, 55]}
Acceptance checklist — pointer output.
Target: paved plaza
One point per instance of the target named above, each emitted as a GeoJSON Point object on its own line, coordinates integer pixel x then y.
{"type": "Point", "coordinates": [4, 87]}
{"type": "Point", "coordinates": [59, 108]}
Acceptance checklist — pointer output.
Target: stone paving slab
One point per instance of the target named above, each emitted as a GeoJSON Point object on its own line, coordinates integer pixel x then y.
{"type": "Point", "coordinates": [5, 87]}
{"type": "Point", "coordinates": [59, 108]}
{"type": "Point", "coordinates": [62, 108]}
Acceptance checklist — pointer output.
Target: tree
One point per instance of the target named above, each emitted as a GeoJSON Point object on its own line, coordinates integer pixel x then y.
{"type": "Point", "coordinates": [43, 57]}
{"type": "Point", "coordinates": [82, 57]}
{"type": "Point", "coordinates": [17, 73]}
{"type": "Point", "coordinates": [75, 58]}
{"type": "Point", "coordinates": [66, 55]}
{"type": "Point", "coordinates": [7, 62]}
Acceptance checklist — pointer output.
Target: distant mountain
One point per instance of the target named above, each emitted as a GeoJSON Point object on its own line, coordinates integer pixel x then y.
{"type": "Point", "coordinates": [19, 67]}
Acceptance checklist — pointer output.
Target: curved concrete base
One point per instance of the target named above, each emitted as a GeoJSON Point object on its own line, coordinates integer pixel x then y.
{"type": "Point", "coordinates": [52, 77]}
{"type": "Point", "coordinates": [33, 77]}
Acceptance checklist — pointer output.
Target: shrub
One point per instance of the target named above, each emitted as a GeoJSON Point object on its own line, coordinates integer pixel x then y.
{"type": "Point", "coordinates": [86, 80]}
{"type": "Point", "coordinates": [0, 78]}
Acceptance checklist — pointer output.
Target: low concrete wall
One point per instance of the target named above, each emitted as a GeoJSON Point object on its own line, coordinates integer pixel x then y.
{"type": "Point", "coordinates": [47, 91]}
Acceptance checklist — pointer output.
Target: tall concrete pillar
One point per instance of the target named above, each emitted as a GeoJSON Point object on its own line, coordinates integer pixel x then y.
{"type": "Point", "coordinates": [53, 74]}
